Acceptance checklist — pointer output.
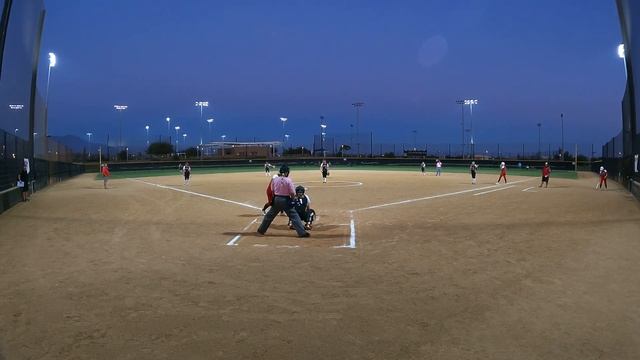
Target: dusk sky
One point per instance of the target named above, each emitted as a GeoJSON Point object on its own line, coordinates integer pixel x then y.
{"type": "Point", "coordinates": [408, 61]}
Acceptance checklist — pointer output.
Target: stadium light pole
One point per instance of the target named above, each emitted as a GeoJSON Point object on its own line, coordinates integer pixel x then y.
{"type": "Point", "coordinates": [89, 135]}
{"type": "Point", "coordinates": [284, 120]}
{"type": "Point", "coordinates": [471, 102]}
{"type": "Point", "coordinates": [414, 138]}
{"type": "Point", "coordinates": [223, 137]}
{"type": "Point", "coordinates": [350, 138]}
{"type": "Point", "coordinates": [286, 140]}
{"type": "Point", "coordinates": [120, 109]}
{"type": "Point", "coordinates": [16, 107]}
{"type": "Point", "coordinates": [184, 142]}
{"type": "Point", "coordinates": [52, 63]}
{"type": "Point", "coordinates": [539, 142]}
{"type": "Point", "coordinates": [201, 104]}
{"type": "Point", "coordinates": [168, 120]}
{"type": "Point", "coordinates": [146, 127]}
{"type": "Point", "coordinates": [358, 105]}
{"type": "Point", "coordinates": [562, 136]}
{"type": "Point", "coordinates": [210, 121]}
{"type": "Point", "coordinates": [621, 54]}
{"type": "Point", "coordinates": [322, 134]}
{"type": "Point", "coordinates": [177, 128]}
{"type": "Point", "coordinates": [461, 103]}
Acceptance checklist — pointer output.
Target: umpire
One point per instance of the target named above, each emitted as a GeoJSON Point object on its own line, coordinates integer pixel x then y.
{"type": "Point", "coordinates": [283, 192]}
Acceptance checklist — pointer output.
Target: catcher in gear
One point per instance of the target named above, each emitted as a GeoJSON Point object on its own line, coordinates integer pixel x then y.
{"type": "Point", "coordinates": [302, 204]}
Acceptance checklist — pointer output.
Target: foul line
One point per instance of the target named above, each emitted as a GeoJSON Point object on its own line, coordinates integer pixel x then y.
{"type": "Point", "coordinates": [352, 236]}
{"type": "Point", "coordinates": [490, 191]}
{"type": "Point", "coordinates": [198, 194]}
{"type": "Point", "coordinates": [237, 237]}
{"type": "Point", "coordinates": [435, 196]}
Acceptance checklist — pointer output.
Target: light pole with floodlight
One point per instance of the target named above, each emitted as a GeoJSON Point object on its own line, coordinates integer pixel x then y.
{"type": "Point", "coordinates": [120, 109]}
{"type": "Point", "coordinates": [146, 127]}
{"type": "Point", "coordinates": [201, 104]}
{"type": "Point", "coordinates": [358, 105]}
{"type": "Point", "coordinates": [286, 140]}
{"type": "Point", "coordinates": [177, 128]}
{"type": "Point", "coordinates": [471, 102]}
{"type": "Point", "coordinates": [461, 103]}
{"type": "Point", "coordinates": [210, 121]}
{"type": "Point", "coordinates": [52, 63]}
{"type": "Point", "coordinates": [89, 135]}
{"type": "Point", "coordinates": [414, 138]}
{"type": "Point", "coordinates": [539, 142]}
{"type": "Point", "coordinates": [621, 54]}
{"type": "Point", "coordinates": [168, 120]}
{"type": "Point", "coordinates": [562, 136]}
{"type": "Point", "coordinates": [284, 120]}
{"type": "Point", "coordinates": [16, 107]}
{"type": "Point", "coordinates": [322, 134]}
{"type": "Point", "coordinates": [223, 137]}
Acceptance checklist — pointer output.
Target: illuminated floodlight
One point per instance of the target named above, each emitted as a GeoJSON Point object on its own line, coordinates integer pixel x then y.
{"type": "Point", "coordinates": [89, 133]}
{"type": "Point", "coordinates": [323, 126]}
{"type": "Point", "coordinates": [471, 102]}
{"type": "Point", "coordinates": [283, 119]}
{"type": "Point", "coordinates": [621, 51]}
{"type": "Point", "coordinates": [209, 121]}
{"type": "Point", "coordinates": [146, 127]}
{"type": "Point", "coordinates": [120, 107]}
{"type": "Point", "coordinates": [52, 59]}
{"type": "Point", "coordinates": [202, 103]}
{"type": "Point", "coordinates": [168, 119]}
{"type": "Point", "coordinates": [16, 106]}
{"type": "Point", "coordinates": [177, 128]}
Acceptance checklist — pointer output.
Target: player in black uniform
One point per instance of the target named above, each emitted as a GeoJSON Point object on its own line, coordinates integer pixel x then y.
{"type": "Point", "coordinates": [186, 171]}
{"type": "Point", "coordinates": [302, 203]}
{"type": "Point", "coordinates": [324, 168]}
{"type": "Point", "coordinates": [267, 169]}
{"type": "Point", "coordinates": [473, 168]}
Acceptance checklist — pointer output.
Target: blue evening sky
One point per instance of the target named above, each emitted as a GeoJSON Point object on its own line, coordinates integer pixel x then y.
{"type": "Point", "coordinates": [409, 61]}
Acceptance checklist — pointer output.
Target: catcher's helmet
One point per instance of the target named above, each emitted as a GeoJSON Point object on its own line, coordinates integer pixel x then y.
{"type": "Point", "coordinates": [299, 189]}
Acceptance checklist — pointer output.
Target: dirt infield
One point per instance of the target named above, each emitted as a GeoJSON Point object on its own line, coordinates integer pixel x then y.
{"type": "Point", "coordinates": [398, 266]}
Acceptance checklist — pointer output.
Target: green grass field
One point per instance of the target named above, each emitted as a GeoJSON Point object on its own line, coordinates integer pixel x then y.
{"type": "Point", "coordinates": [564, 174]}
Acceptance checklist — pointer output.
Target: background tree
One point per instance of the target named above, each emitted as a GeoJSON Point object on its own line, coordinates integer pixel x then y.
{"type": "Point", "coordinates": [160, 148]}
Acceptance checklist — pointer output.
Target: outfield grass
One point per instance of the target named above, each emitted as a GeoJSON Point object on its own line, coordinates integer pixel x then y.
{"type": "Point", "coordinates": [564, 174]}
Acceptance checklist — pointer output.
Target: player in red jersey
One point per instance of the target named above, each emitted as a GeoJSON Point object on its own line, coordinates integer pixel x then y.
{"type": "Point", "coordinates": [546, 171]}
